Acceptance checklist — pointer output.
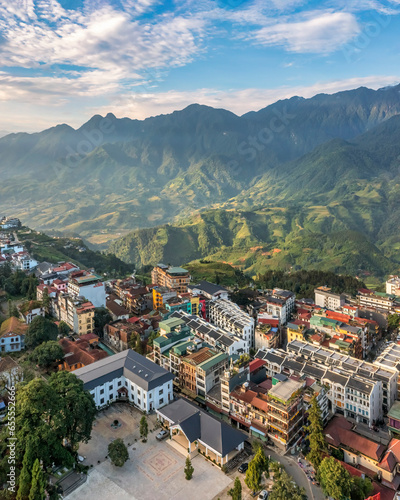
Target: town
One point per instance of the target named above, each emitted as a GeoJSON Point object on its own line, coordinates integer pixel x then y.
{"type": "Point", "coordinates": [189, 392]}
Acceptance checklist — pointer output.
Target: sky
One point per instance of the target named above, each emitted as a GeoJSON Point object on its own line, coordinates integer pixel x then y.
{"type": "Point", "coordinates": [64, 61]}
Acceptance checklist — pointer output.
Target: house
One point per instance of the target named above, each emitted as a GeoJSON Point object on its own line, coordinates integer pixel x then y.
{"type": "Point", "coordinates": [197, 431]}
{"type": "Point", "coordinates": [174, 278]}
{"type": "Point", "coordinates": [12, 335]}
{"type": "Point", "coordinates": [29, 310]}
{"type": "Point", "coordinates": [119, 333]}
{"type": "Point", "coordinates": [324, 297]}
{"type": "Point", "coordinates": [229, 316]}
{"type": "Point", "coordinates": [80, 353]}
{"type": "Point", "coordinates": [370, 457]}
{"type": "Point", "coordinates": [128, 376]}
{"type": "Point", "coordinates": [266, 336]}
{"type": "Point", "coordinates": [116, 310]}
{"type": "Point", "coordinates": [88, 285]}
{"type": "Point", "coordinates": [394, 419]}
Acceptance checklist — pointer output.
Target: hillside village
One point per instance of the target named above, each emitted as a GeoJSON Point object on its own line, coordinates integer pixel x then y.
{"type": "Point", "coordinates": [199, 365]}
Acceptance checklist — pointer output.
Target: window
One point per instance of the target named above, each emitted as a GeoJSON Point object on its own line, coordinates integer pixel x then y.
{"type": "Point", "coordinates": [160, 392]}
{"type": "Point", "coordinates": [101, 391]}
{"type": "Point", "coordinates": [161, 401]}
{"type": "Point", "coordinates": [119, 383]}
{"type": "Point", "coordinates": [102, 401]}
{"type": "Point", "coordinates": [138, 391]}
{"type": "Point", "coordinates": [138, 402]}
{"type": "Point", "coordinates": [111, 386]}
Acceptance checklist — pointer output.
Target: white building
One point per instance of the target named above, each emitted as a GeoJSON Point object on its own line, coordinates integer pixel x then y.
{"type": "Point", "coordinates": [325, 298]}
{"type": "Point", "coordinates": [393, 285]}
{"type": "Point", "coordinates": [228, 315]}
{"type": "Point", "coordinates": [13, 247]}
{"type": "Point", "coordinates": [130, 376]}
{"type": "Point", "coordinates": [88, 285]}
{"type": "Point", "coordinates": [209, 290]}
{"type": "Point", "coordinates": [277, 305]}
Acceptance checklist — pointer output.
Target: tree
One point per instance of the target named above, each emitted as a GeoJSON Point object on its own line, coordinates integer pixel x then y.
{"type": "Point", "coordinates": [139, 345]}
{"type": "Point", "coordinates": [261, 461]}
{"type": "Point", "coordinates": [393, 321]}
{"type": "Point", "coordinates": [360, 488]}
{"type": "Point", "coordinates": [24, 481]}
{"type": "Point", "coordinates": [63, 328]}
{"type": "Point", "coordinates": [284, 487]}
{"type": "Point", "coordinates": [316, 436]}
{"type": "Point", "coordinates": [236, 491]}
{"type": "Point", "coordinates": [39, 331]}
{"type": "Point", "coordinates": [118, 452]}
{"type": "Point", "coordinates": [189, 469]}
{"type": "Point", "coordinates": [47, 354]}
{"type": "Point", "coordinates": [101, 318]}
{"type": "Point", "coordinates": [38, 482]}
{"type": "Point", "coordinates": [335, 479]}
{"type": "Point", "coordinates": [253, 476]}
{"type": "Point", "coordinates": [12, 310]}
{"type": "Point", "coordinates": [144, 428]}
{"type": "Point", "coordinates": [46, 299]}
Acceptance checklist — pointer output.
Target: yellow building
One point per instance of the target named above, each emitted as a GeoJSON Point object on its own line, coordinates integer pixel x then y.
{"type": "Point", "coordinates": [295, 332]}
{"type": "Point", "coordinates": [175, 278]}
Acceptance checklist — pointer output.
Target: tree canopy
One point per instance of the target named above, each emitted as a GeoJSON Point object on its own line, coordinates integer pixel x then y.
{"type": "Point", "coordinates": [40, 330]}
{"type": "Point", "coordinates": [118, 452]}
{"type": "Point", "coordinates": [47, 354]}
{"type": "Point", "coordinates": [189, 469]}
{"type": "Point", "coordinates": [335, 479]}
{"type": "Point", "coordinates": [284, 487]}
{"type": "Point", "coordinates": [236, 491]}
{"type": "Point", "coordinates": [316, 436]}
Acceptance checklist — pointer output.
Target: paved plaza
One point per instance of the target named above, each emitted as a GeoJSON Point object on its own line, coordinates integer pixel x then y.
{"type": "Point", "coordinates": [154, 469]}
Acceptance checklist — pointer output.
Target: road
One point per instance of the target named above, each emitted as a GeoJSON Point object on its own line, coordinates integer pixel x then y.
{"type": "Point", "coordinates": [293, 469]}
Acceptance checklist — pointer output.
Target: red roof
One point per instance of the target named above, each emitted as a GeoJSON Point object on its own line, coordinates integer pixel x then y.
{"type": "Point", "coordinates": [255, 364]}
{"type": "Point", "coordinates": [272, 322]}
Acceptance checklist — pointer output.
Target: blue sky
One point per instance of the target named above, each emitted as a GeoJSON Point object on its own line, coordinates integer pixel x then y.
{"type": "Point", "coordinates": [63, 61]}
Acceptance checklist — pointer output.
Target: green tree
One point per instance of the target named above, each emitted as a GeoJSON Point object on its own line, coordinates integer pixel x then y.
{"type": "Point", "coordinates": [262, 461]}
{"type": "Point", "coordinates": [38, 483]}
{"type": "Point", "coordinates": [25, 478]}
{"type": "Point", "coordinates": [189, 469]}
{"type": "Point", "coordinates": [12, 310]}
{"type": "Point", "coordinates": [334, 478]}
{"type": "Point", "coordinates": [360, 488]}
{"type": "Point", "coordinates": [144, 428]}
{"type": "Point", "coordinates": [316, 436]}
{"type": "Point", "coordinates": [39, 331]}
{"type": "Point", "coordinates": [393, 321]}
{"type": "Point", "coordinates": [138, 345]}
{"type": "Point", "coordinates": [236, 491]}
{"type": "Point", "coordinates": [47, 354]}
{"type": "Point", "coordinates": [283, 487]}
{"type": "Point", "coordinates": [46, 299]}
{"type": "Point", "coordinates": [101, 318]}
{"type": "Point", "coordinates": [63, 328]}
{"type": "Point", "coordinates": [118, 452]}
{"type": "Point", "coordinates": [78, 408]}
{"type": "Point", "coordinates": [253, 476]}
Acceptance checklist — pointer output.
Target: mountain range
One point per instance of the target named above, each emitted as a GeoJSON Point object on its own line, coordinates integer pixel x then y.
{"type": "Point", "coordinates": [302, 182]}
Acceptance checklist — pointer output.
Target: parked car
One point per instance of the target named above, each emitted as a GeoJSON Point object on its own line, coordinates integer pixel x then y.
{"type": "Point", "coordinates": [263, 495]}
{"type": "Point", "coordinates": [243, 467]}
{"type": "Point", "coordinates": [162, 435]}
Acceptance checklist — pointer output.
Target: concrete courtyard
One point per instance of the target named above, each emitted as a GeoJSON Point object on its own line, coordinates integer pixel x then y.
{"type": "Point", "coordinates": [154, 469]}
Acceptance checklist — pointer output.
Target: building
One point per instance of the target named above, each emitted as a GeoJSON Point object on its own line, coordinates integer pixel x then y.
{"type": "Point", "coordinates": [88, 285]}
{"type": "Point", "coordinates": [266, 337]}
{"type": "Point", "coordinates": [80, 353]}
{"type": "Point", "coordinates": [390, 359]}
{"type": "Point", "coordinates": [128, 376]}
{"type": "Point", "coordinates": [116, 309]}
{"type": "Point", "coordinates": [230, 317]}
{"type": "Point", "coordinates": [175, 278]}
{"type": "Point", "coordinates": [213, 335]}
{"type": "Point", "coordinates": [210, 291]}
{"type": "Point", "coordinates": [161, 295]}
{"type": "Point", "coordinates": [324, 297]}
{"type": "Point", "coordinates": [285, 411]}
{"type": "Point", "coordinates": [356, 389]}
{"type": "Point", "coordinates": [197, 431]}
{"type": "Point", "coordinates": [278, 305]}
{"type": "Point", "coordinates": [83, 318]}
{"type": "Point", "coordinates": [377, 300]}
{"type": "Point", "coordinates": [23, 261]}
{"type": "Point", "coordinates": [394, 419]}
{"type": "Point", "coordinates": [393, 285]}
{"type": "Point", "coordinates": [29, 310]}
{"type": "Point", "coordinates": [12, 335]}
{"type": "Point", "coordinates": [184, 302]}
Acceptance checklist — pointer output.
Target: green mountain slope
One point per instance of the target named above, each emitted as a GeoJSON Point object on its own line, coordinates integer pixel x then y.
{"type": "Point", "coordinates": [114, 175]}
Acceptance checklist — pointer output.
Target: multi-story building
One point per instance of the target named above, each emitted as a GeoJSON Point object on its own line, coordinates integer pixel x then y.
{"type": "Point", "coordinates": [12, 335]}
{"type": "Point", "coordinates": [128, 376]}
{"type": "Point", "coordinates": [228, 315]}
{"type": "Point", "coordinates": [378, 300]}
{"type": "Point", "coordinates": [393, 285]}
{"type": "Point", "coordinates": [183, 302]}
{"type": "Point", "coordinates": [285, 411]}
{"type": "Point", "coordinates": [175, 278]}
{"type": "Point", "coordinates": [278, 304]}
{"type": "Point", "coordinates": [161, 295]}
{"type": "Point", "coordinates": [214, 336]}
{"type": "Point", "coordinates": [325, 298]}
{"type": "Point", "coordinates": [80, 353]}
{"type": "Point", "coordinates": [266, 337]}
{"type": "Point", "coordinates": [390, 359]}
{"type": "Point", "coordinates": [88, 285]}
{"type": "Point", "coordinates": [357, 389]}
{"type": "Point", "coordinates": [77, 313]}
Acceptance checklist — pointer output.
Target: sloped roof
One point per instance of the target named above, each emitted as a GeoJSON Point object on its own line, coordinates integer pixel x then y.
{"type": "Point", "coordinates": [13, 326]}
{"type": "Point", "coordinates": [197, 424]}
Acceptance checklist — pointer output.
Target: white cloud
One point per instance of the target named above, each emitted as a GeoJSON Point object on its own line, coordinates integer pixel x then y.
{"type": "Point", "coordinates": [317, 32]}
